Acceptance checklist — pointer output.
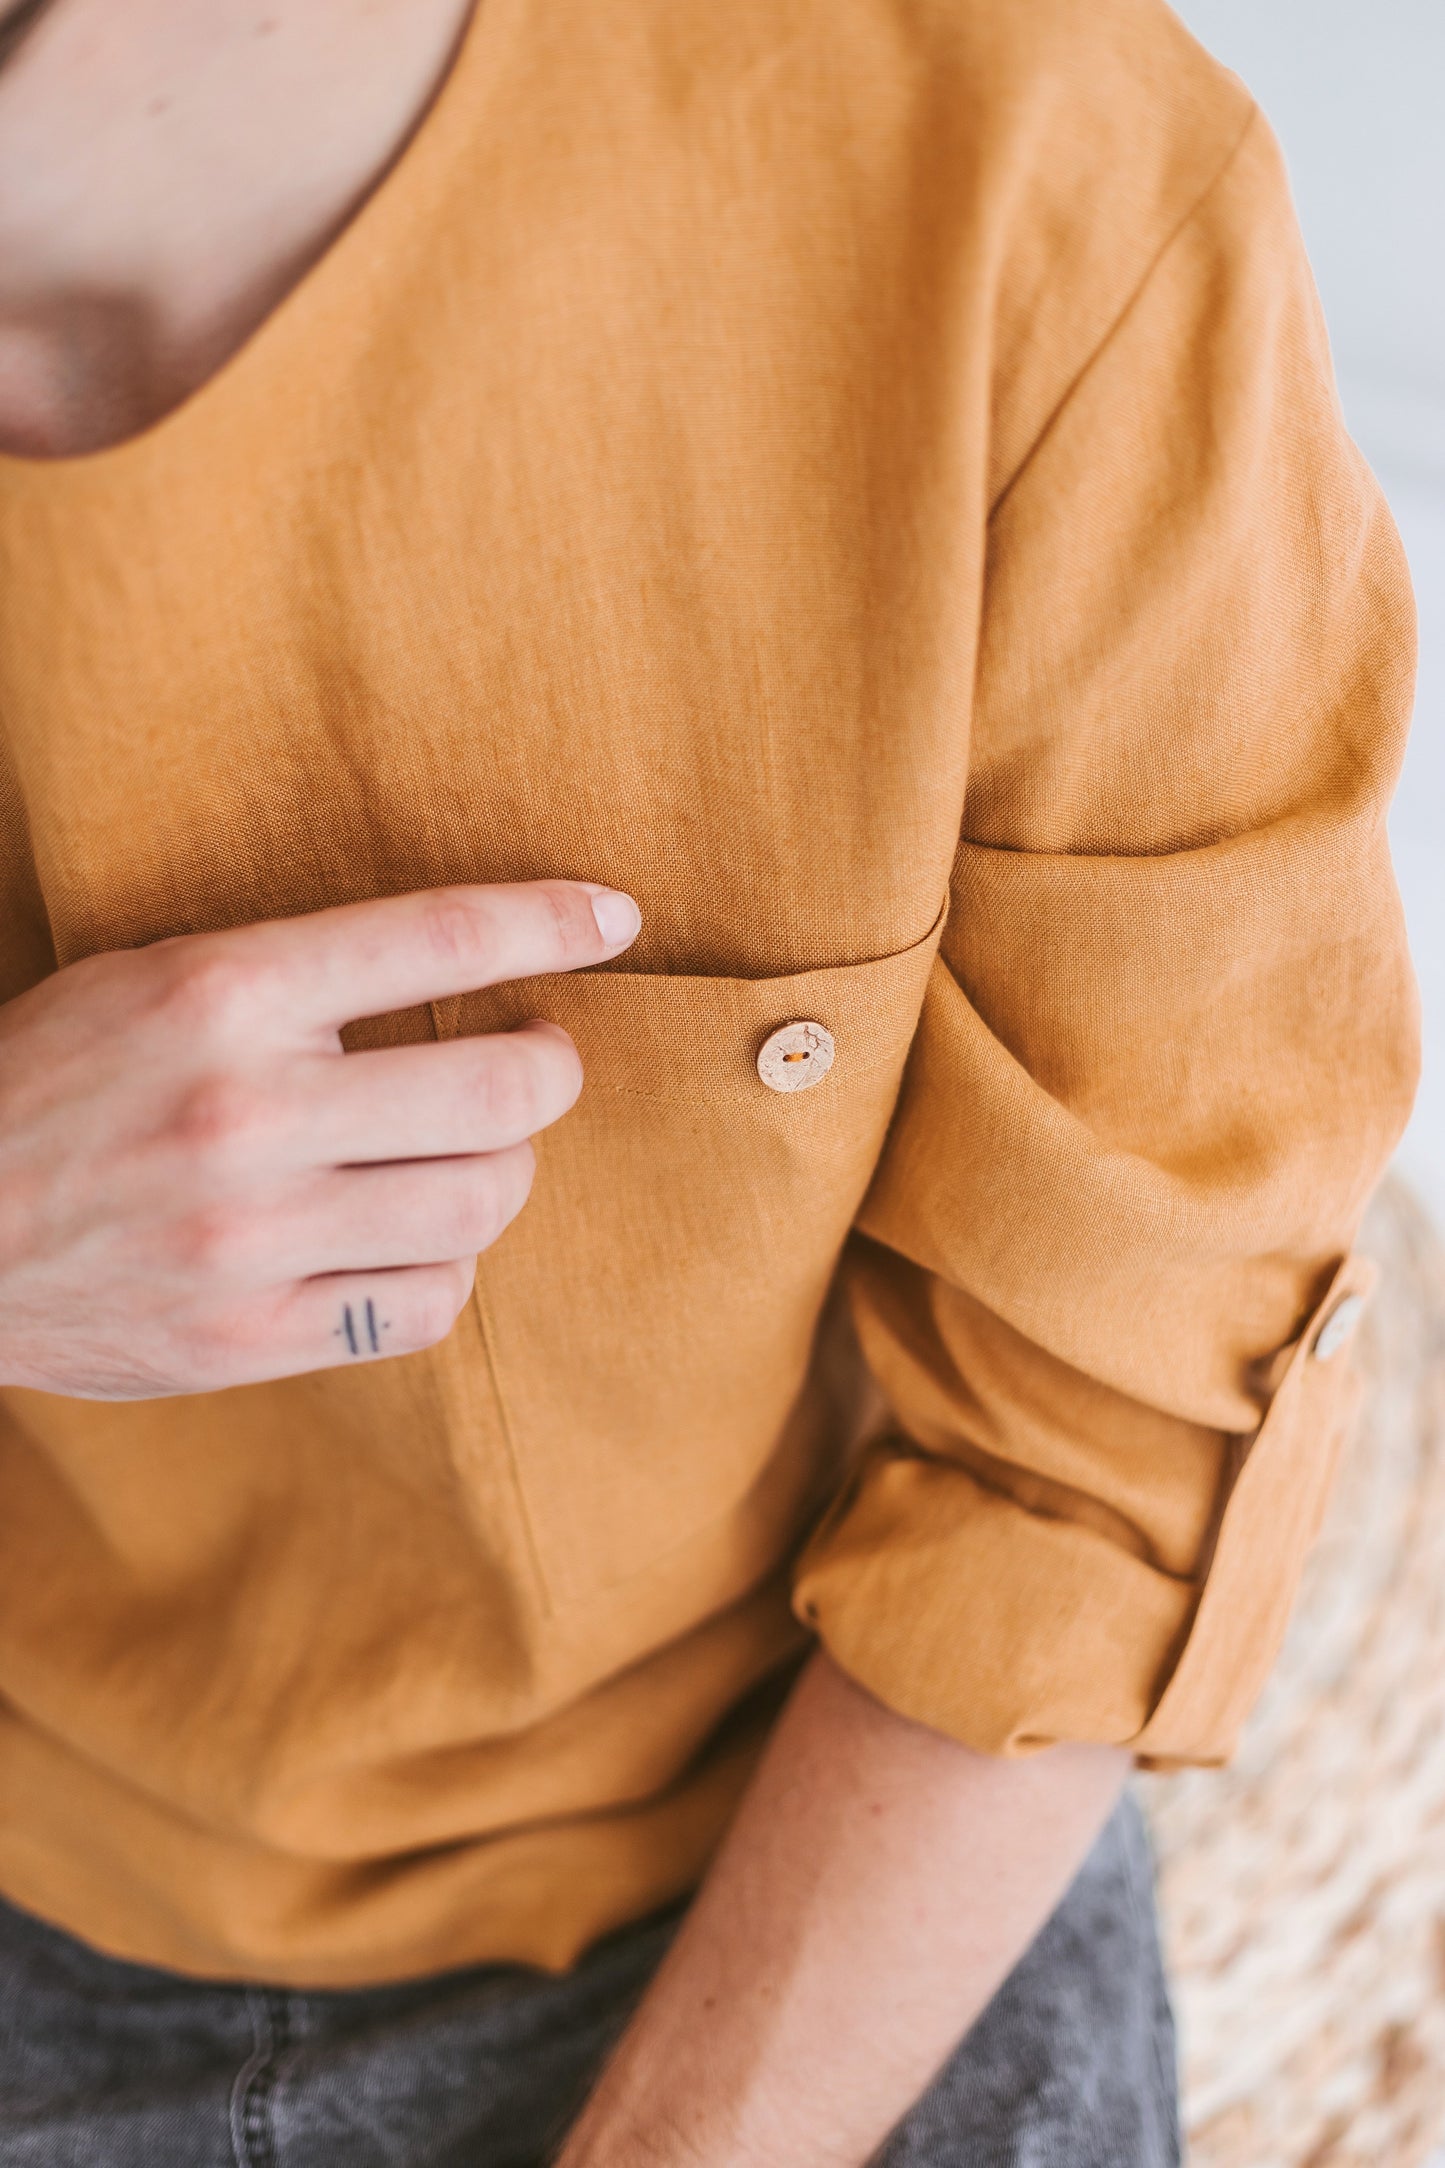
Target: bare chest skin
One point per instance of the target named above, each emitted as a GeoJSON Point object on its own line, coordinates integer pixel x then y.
{"type": "Point", "coordinates": [168, 171]}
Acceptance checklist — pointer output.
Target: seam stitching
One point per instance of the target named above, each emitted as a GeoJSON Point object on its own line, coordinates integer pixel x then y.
{"type": "Point", "coordinates": [253, 2139]}
{"type": "Point", "coordinates": [509, 1439]}
{"type": "Point", "coordinates": [1086, 366]}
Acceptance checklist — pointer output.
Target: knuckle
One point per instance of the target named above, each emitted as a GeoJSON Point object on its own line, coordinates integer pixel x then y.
{"type": "Point", "coordinates": [476, 1209]}
{"type": "Point", "coordinates": [453, 925]}
{"type": "Point", "coordinates": [92, 977]}
{"type": "Point", "coordinates": [212, 1352]}
{"type": "Point", "coordinates": [437, 1301]}
{"type": "Point", "coordinates": [510, 1182]}
{"type": "Point", "coordinates": [221, 1117]}
{"type": "Point", "coordinates": [561, 1065]}
{"type": "Point", "coordinates": [203, 1365]}
{"type": "Point", "coordinates": [523, 1170]}
{"type": "Point", "coordinates": [467, 1221]}
{"type": "Point", "coordinates": [118, 985]}
{"type": "Point", "coordinates": [510, 1084]}
{"type": "Point", "coordinates": [206, 988]}
{"type": "Point", "coordinates": [574, 927]}
{"type": "Point", "coordinates": [217, 1242]}
{"type": "Point", "coordinates": [530, 1077]}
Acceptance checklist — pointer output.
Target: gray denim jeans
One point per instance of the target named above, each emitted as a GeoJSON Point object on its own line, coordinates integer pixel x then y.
{"type": "Point", "coordinates": [110, 2065]}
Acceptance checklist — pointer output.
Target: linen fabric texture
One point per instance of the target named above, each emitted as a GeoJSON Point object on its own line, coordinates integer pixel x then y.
{"type": "Point", "coordinates": [870, 483]}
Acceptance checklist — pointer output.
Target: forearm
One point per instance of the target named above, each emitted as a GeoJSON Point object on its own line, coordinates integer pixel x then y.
{"type": "Point", "coordinates": [877, 1885]}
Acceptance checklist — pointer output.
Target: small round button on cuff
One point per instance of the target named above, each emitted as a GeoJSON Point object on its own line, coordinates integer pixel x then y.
{"type": "Point", "coordinates": [1338, 1327]}
{"type": "Point", "coordinates": [795, 1056]}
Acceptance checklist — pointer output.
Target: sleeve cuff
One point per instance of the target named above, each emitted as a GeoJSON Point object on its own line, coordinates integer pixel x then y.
{"type": "Point", "coordinates": [1012, 1630]}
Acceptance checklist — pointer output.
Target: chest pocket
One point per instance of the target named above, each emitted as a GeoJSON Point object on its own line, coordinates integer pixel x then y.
{"type": "Point", "coordinates": [651, 1315]}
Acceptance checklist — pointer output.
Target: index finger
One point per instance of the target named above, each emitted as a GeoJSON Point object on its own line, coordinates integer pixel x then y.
{"type": "Point", "coordinates": [361, 959]}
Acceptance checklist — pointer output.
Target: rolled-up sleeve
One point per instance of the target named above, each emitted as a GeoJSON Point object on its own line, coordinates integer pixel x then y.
{"type": "Point", "coordinates": [1104, 1274]}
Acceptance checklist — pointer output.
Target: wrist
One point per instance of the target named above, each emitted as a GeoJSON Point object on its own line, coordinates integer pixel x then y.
{"type": "Point", "coordinates": [608, 2139]}
{"type": "Point", "coordinates": [654, 2143]}
{"type": "Point", "coordinates": [637, 2145]}
{"type": "Point", "coordinates": [637, 2125]}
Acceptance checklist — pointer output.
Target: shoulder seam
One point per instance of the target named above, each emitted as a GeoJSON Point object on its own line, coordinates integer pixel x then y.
{"type": "Point", "coordinates": [1152, 265]}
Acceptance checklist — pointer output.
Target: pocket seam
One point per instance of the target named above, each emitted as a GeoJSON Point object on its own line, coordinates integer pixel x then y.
{"type": "Point", "coordinates": [509, 1437]}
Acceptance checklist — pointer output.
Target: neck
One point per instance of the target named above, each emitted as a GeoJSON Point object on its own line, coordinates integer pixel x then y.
{"type": "Point", "coordinates": [167, 171]}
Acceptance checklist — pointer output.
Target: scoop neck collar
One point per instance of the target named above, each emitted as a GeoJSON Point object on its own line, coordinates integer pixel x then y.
{"type": "Point", "coordinates": [384, 205]}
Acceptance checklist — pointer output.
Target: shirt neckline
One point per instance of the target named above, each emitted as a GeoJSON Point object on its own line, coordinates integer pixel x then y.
{"type": "Point", "coordinates": [303, 299]}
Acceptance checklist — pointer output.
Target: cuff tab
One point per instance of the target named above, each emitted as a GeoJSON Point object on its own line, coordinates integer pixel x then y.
{"type": "Point", "coordinates": [1270, 1519]}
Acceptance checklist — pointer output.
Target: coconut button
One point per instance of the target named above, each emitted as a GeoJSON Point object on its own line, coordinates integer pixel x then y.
{"type": "Point", "coordinates": [795, 1056]}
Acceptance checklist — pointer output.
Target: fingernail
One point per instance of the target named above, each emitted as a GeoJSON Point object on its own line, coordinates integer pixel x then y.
{"type": "Point", "coordinates": [618, 918]}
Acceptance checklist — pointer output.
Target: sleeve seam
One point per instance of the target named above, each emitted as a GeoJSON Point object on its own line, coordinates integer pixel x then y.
{"type": "Point", "coordinates": [1141, 285]}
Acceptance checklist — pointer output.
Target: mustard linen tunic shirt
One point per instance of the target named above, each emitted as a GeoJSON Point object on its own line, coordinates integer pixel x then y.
{"type": "Point", "coordinates": [867, 479]}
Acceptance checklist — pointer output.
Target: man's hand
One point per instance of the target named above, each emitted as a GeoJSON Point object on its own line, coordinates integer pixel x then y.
{"type": "Point", "coordinates": [878, 1883]}
{"type": "Point", "coordinates": [198, 1189]}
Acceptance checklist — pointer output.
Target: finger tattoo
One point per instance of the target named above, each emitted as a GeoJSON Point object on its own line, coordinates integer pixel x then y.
{"type": "Point", "coordinates": [361, 1330]}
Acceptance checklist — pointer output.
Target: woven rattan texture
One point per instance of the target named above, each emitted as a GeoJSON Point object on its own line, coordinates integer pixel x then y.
{"type": "Point", "coordinates": [1304, 1888]}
